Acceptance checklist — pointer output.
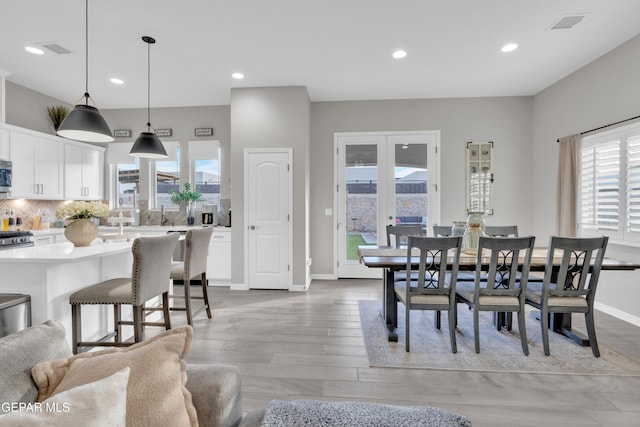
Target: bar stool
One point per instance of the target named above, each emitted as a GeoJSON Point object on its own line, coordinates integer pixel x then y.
{"type": "Point", "coordinates": [151, 266]}
{"type": "Point", "coordinates": [194, 264]}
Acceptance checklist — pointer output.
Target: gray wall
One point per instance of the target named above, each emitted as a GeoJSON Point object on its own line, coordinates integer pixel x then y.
{"type": "Point", "coordinates": [605, 91]}
{"type": "Point", "coordinates": [274, 117]}
{"type": "Point", "coordinates": [28, 109]}
{"type": "Point", "coordinates": [506, 121]}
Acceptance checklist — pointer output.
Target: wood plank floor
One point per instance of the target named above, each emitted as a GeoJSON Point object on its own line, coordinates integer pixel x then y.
{"type": "Point", "coordinates": [296, 345]}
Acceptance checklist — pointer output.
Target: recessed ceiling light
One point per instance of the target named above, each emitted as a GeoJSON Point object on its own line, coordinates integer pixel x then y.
{"type": "Point", "coordinates": [34, 50]}
{"type": "Point", "coordinates": [399, 54]}
{"type": "Point", "coordinates": [237, 76]}
{"type": "Point", "coordinates": [116, 81]}
{"type": "Point", "coordinates": [509, 47]}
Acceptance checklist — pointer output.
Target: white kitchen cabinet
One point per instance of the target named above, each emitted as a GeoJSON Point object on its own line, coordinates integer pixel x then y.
{"type": "Point", "coordinates": [83, 172]}
{"type": "Point", "coordinates": [219, 260]}
{"type": "Point", "coordinates": [37, 166]}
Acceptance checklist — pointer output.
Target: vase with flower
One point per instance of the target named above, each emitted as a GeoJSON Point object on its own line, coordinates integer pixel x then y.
{"type": "Point", "coordinates": [187, 198]}
{"type": "Point", "coordinates": [81, 229]}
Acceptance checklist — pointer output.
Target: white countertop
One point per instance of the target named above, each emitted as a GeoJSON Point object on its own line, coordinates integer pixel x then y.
{"type": "Point", "coordinates": [63, 252]}
{"type": "Point", "coordinates": [133, 228]}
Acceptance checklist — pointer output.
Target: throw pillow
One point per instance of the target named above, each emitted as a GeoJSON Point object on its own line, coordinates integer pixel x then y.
{"type": "Point", "coordinates": [22, 350]}
{"type": "Point", "coordinates": [156, 394]}
{"type": "Point", "coordinates": [101, 403]}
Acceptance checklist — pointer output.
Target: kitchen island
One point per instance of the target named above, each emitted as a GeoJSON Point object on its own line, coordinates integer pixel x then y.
{"type": "Point", "coordinates": [50, 273]}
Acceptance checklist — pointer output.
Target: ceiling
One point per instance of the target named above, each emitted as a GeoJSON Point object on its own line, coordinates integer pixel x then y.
{"type": "Point", "coordinates": [338, 49]}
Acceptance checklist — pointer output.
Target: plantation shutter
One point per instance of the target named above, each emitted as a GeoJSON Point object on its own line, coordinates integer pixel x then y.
{"type": "Point", "coordinates": [633, 188]}
{"type": "Point", "coordinates": [600, 187]}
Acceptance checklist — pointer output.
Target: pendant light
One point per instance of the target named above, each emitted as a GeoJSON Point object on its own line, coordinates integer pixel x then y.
{"type": "Point", "coordinates": [148, 144]}
{"type": "Point", "coordinates": [84, 122]}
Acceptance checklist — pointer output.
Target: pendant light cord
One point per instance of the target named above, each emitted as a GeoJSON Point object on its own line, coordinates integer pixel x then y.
{"type": "Point", "coordinates": [86, 52]}
{"type": "Point", "coordinates": [148, 86]}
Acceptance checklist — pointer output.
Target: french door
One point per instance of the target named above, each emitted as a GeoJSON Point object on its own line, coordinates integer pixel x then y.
{"type": "Point", "coordinates": [382, 178]}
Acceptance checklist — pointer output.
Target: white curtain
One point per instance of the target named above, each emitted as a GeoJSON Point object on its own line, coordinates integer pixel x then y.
{"type": "Point", "coordinates": [568, 182]}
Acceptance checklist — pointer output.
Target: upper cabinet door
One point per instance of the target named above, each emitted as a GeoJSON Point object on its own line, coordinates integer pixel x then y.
{"type": "Point", "coordinates": [49, 168]}
{"type": "Point", "coordinates": [83, 172]}
{"type": "Point", "coordinates": [23, 148]}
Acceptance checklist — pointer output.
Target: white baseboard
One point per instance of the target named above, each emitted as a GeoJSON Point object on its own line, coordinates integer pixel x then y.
{"type": "Point", "coordinates": [324, 277]}
{"type": "Point", "coordinates": [239, 287]}
{"type": "Point", "coordinates": [299, 288]}
{"type": "Point", "coordinates": [634, 320]}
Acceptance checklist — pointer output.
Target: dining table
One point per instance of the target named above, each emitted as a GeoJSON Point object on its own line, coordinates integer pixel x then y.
{"type": "Point", "coordinates": [391, 259]}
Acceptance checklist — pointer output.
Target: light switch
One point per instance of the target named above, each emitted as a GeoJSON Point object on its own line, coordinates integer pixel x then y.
{"type": "Point", "coordinates": [328, 211]}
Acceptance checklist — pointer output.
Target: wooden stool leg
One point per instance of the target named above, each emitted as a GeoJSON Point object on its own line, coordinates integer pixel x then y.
{"type": "Point", "coordinates": [76, 327]}
{"type": "Point", "coordinates": [205, 293]}
{"type": "Point", "coordinates": [137, 323]}
{"type": "Point", "coordinates": [165, 310]}
{"type": "Point", "coordinates": [117, 327]}
{"type": "Point", "coordinates": [187, 300]}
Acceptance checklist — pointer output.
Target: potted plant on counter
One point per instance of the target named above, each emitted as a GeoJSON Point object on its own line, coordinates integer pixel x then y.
{"type": "Point", "coordinates": [188, 199]}
{"type": "Point", "coordinates": [82, 230]}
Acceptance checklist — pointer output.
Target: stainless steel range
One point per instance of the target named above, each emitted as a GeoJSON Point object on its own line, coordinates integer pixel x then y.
{"type": "Point", "coordinates": [15, 239]}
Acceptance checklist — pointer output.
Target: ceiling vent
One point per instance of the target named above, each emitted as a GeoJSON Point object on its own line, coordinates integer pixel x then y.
{"type": "Point", "coordinates": [56, 48]}
{"type": "Point", "coordinates": [567, 21]}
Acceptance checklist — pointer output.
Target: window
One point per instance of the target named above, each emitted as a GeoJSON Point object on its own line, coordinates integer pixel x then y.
{"type": "Point", "coordinates": [167, 174]}
{"type": "Point", "coordinates": [128, 184]}
{"type": "Point", "coordinates": [610, 184]}
{"type": "Point", "coordinates": [205, 164]}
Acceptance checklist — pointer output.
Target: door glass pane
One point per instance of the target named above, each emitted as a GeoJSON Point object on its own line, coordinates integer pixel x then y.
{"type": "Point", "coordinates": [361, 181]}
{"type": "Point", "coordinates": [410, 173]}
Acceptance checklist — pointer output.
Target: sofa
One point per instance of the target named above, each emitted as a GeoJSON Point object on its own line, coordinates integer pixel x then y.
{"type": "Point", "coordinates": [38, 366]}
{"type": "Point", "coordinates": [214, 389]}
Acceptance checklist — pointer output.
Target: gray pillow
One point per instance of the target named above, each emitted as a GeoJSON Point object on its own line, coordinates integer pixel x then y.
{"type": "Point", "coordinates": [19, 352]}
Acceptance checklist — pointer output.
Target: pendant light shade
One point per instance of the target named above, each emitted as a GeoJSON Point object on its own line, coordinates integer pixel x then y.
{"type": "Point", "coordinates": [148, 144]}
{"type": "Point", "coordinates": [84, 122]}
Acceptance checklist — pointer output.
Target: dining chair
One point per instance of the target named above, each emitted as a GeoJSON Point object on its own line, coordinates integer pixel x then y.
{"type": "Point", "coordinates": [194, 264]}
{"type": "Point", "coordinates": [571, 287]}
{"type": "Point", "coordinates": [501, 230]}
{"type": "Point", "coordinates": [447, 231]}
{"type": "Point", "coordinates": [442, 230]}
{"type": "Point", "coordinates": [498, 286]}
{"type": "Point", "coordinates": [397, 236]}
{"type": "Point", "coordinates": [149, 279]}
{"type": "Point", "coordinates": [434, 288]}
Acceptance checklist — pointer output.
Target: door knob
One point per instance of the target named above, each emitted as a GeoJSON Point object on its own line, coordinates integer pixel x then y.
{"type": "Point", "coordinates": [253, 227]}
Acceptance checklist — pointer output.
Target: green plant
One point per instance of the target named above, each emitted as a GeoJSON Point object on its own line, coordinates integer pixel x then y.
{"type": "Point", "coordinates": [57, 114]}
{"type": "Point", "coordinates": [185, 196]}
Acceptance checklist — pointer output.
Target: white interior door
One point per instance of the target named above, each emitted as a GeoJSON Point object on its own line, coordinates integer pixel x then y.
{"type": "Point", "coordinates": [268, 207]}
{"type": "Point", "coordinates": [382, 178]}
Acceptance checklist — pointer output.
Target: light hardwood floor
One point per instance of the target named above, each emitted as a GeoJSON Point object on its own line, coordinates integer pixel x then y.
{"type": "Point", "coordinates": [297, 345]}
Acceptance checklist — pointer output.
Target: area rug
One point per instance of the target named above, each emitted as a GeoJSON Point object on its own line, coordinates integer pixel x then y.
{"type": "Point", "coordinates": [500, 351]}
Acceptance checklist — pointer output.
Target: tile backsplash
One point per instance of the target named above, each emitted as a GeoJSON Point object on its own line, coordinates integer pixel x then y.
{"type": "Point", "coordinates": [28, 209]}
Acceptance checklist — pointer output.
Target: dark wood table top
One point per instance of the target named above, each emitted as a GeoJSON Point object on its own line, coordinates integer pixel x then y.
{"type": "Point", "coordinates": [386, 257]}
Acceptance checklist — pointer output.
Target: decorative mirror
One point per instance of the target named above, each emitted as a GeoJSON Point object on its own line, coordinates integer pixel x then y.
{"type": "Point", "coordinates": [480, 177]}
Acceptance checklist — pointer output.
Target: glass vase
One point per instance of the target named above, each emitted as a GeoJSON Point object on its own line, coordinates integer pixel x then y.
{"type": "Point", "coordinates": [475, 229]}
{"type": "Point", "coordinates": [191, 213]}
